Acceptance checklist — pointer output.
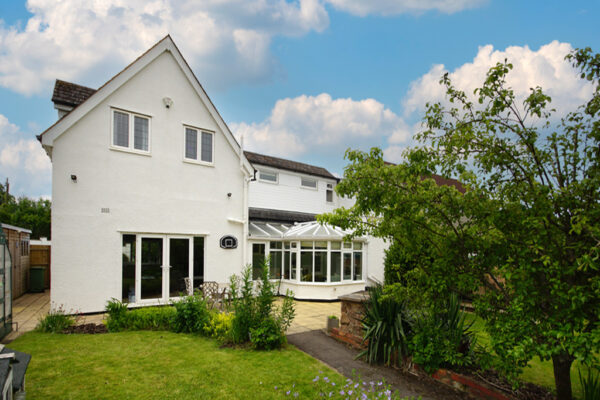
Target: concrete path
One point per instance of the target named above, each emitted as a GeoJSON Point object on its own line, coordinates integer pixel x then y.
{"type": "Point", "coordinates": [342, 358]}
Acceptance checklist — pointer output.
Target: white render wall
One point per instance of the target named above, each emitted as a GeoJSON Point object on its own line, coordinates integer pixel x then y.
{"type": "Point", "coordinates": [151, 194]}
{"type": "Point", "coordinates": [287, 194]}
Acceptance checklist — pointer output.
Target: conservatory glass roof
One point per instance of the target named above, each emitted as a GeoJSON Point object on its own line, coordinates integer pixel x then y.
{"type": "Point", "coordinates": [306, 230]}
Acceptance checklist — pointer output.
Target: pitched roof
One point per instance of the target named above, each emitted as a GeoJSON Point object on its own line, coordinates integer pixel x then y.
{"type": "Point", "coordinates": [70, 94]}
{"type": "Point", "coordinates": [288, 165]}
{"type": "Point", "coordinates": [95, 97]}
{"type": "Point", "coordinates": [440, 180]}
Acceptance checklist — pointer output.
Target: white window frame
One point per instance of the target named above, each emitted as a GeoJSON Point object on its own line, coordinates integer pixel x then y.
{"type": "Point", "coordinates": [130, 148]}
{"type": "Point", "coordinates": [309, 179]}
{"type": "Point", "coordinates": [266, 171]}
{"type": "Point", "coordinates": [329, 188]}
{"type": "Point", "coordinates": [198, 160]}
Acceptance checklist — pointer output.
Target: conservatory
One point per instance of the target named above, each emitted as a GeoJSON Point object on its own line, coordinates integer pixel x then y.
{"type": "Point", "coordinates": [312, 260]}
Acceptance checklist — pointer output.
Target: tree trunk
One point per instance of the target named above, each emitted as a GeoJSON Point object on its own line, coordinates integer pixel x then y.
{"type": "Point", "coordinates": [562, 375]}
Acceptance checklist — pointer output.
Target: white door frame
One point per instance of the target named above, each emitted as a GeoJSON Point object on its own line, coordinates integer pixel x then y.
{"type": "Point", "coordinates": [166, 248]}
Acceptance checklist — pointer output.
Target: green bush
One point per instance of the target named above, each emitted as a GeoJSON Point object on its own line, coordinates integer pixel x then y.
{"type": "Point", "coordinates": [120, 318]}
{"type": "Point", "coordinates": [267, 335]}
{"type": "Point", "coordinates": [150, 318]}
{"type": "Point", "coordinates": [398, 262]}
{"type": "Point", "coordinates": [443, 338]}
{"type": "Point", "coordinates": [257, 313]}
{"type": "Point", "coordinates": [191, 314]}
{"type": "Point", "coordinates": [387, 329]}
{"type": "Point", "coordinates": [117, 314]}
{"type": "Point", "coordinates": [55, 321]}
{"type": "Point", "coordinates": [219, 326]}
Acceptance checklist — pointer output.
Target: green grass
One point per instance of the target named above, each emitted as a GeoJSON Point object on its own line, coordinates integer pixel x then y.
{"type": "Point", "coordinates": [537, 371]}
{"type": "Point", "coordinates": [160, 365]}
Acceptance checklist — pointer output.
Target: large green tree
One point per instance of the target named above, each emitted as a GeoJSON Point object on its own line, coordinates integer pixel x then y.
{"type": "Point", "coordinates": [33, 214]}
{"type": "Point", "coordinates": [524, 239]}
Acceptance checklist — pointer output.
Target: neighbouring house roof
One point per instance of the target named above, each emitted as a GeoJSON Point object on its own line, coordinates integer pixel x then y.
{"type": "Point", "coordinates": [441, 181]}
{"type": "Point", "coordinates": [288, 165]}
{"type": "Point", "coordinates": [16, 228]}
{"type": "Point", "coordinates": [70, 94]}
{"type": "Point", "coordinates": [281, 216]}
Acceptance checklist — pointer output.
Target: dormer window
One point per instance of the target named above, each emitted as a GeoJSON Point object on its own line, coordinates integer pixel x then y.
{"type": "Point", "coordinates": [198, 145]}
{"type": "Point", "coordinates": [130, 131]}
{"type": "Point", "coordinates": [267, 176]}
{"type": "Point", "coordinates": [308, 183]}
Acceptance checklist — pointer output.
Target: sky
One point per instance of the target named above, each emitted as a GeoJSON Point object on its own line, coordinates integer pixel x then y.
{"type": "Point", "coordinates": [302, 79]}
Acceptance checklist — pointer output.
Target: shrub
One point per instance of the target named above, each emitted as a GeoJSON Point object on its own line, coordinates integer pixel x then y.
{"type": "Point", "coordinates": [398, 262]}
{"type": "Point", "coordinates": [267, 335]}
{"type": "Point", "coordinates": [387, 328]}
{"type": "Point", "coordinates": [55, 321]}
{"type": "Point", "coordinates": [443, 338]}
{"type": "Point", "coordinates": [257, 312]}
{"type": "Point", "coordinates": [150, 318]}
{"type": "Point", "coordinates": [590, 385]}
{"type": "Point", "coordinates": [219, 326]}
{"type": "Point", "coordinates": [191, 314]}
{"type": "Point", "coordinates": [117, 313]}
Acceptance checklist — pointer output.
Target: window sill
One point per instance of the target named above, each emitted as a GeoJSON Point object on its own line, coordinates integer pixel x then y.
{"type": "Point", "coordinates": [293, 282]}
{"type": "Point", "coordinates": [131, 151]}
{"type": "Point", "coordinates": [196, 162]}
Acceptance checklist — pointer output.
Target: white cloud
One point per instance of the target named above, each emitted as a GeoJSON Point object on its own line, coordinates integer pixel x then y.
{"type": "Point", "coordinates": [393, 7]}
{"type": "Point", "coordinates": [322, 125]}
{"type": "Point", "coordinates": [545, 67]}
{"type": "Point", "coordinates": [23, 161]}
{"type": "Point", "coordinates": [226, 41]}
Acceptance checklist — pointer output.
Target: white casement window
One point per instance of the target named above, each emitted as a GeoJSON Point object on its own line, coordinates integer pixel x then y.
{"type": "Point", "coordinates": [130, 131]}
{"type": "Point", "coordinates": [198, 145]}
{"type": "Point", "coordinates": [308, 183]}
{"type": "Point", "coordinates": [267, 176]}
{"type": "Point", "coordinates": [329, 193]}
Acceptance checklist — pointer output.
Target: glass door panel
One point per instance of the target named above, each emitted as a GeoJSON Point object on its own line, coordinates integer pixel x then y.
{"type": "Point", "coordinates": [258, 259]}
{"type": "Point", "coordinates": [151, 268]}
{"type": "Point", "coordinates": [179, 265]}
{"type": "Point", "coordinates": [347, 266]}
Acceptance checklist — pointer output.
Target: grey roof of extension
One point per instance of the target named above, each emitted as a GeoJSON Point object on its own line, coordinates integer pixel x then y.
{"type": "Point", "coordinates": [288, 165]}
{"type": "Point", "coordinates": [280, 216]}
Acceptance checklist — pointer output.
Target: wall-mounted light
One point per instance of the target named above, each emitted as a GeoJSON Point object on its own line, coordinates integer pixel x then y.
{"type": "Point", "coordinates": [168, 102]}
{"type": "Point", "coordinates": [74, 178]}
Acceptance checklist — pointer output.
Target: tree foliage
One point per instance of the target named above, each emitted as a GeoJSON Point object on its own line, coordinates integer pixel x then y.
{"type": "Point", "coordinates": [25, 213]}
{"type": "Point", "coordinates": [524, 239]}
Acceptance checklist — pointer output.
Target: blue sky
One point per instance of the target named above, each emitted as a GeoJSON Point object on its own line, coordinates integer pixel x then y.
{"type": "Point", "coordinates": [300, 79]}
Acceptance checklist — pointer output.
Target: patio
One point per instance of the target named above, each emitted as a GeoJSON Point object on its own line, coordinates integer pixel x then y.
{"type": "Point", "coordinates": [29, 308]}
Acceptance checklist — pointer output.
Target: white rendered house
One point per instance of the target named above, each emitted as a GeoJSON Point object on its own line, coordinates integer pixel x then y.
{"type": "Point", "coordinates": [149, 187]}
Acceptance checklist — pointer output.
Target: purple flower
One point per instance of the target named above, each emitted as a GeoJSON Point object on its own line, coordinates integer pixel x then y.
{"type": "Point", "coordinates": [316, 378]}
{"type": "Point", "coordinates": [295, 394]}
{"type": "Point", "coordinates": [288, 392]}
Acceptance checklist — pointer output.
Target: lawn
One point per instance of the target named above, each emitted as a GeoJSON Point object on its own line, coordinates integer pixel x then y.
{"type": "Point", "coordinates": [537, 371]}
{"type": "Point", "coordinates": [160, 365]}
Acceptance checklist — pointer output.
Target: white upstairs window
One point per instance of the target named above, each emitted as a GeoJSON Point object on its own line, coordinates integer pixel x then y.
{"type": "Point", "coordinates": [198, 145]}
{"type": "Point", "coordinates": [308, 183]}
{"type": "Point", "coordinates": [329, 193]}
{"type": "Point", "coordinates": [130, 131]}
{"type": "Point", "coordinates": [267, 176]}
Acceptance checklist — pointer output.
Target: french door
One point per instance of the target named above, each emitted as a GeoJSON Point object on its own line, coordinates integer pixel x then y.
{"type": "Point", "coordinates": [163, 263]}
